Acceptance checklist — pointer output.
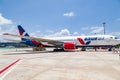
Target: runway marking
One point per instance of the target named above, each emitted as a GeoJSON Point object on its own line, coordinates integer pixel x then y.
{"type": "Point", "coordinates": [15, 62]}
{"type": "Point", "coordinates": [4, 69]}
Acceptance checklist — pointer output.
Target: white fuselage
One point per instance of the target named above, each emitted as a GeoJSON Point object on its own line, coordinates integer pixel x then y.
{"type": "Point", "coordinates": [93, 39]}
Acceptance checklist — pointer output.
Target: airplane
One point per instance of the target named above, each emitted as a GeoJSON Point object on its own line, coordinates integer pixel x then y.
{"type": "Point", "coordinates": [67, 42]}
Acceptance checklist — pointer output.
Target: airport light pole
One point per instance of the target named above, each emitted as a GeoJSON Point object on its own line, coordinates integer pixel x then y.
{"type": "Point", "coordinates": [104, 27]}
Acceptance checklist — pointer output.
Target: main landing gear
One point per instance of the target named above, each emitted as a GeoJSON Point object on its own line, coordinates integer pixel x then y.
{"type": "Point", "coordinates": [59, 49]}
{"type": "Point", "coordinates": [38, 49]}
{"type": "Point", "coordinates": [83, 49]}
{"type": "Point", "coordinates": [110, 49]}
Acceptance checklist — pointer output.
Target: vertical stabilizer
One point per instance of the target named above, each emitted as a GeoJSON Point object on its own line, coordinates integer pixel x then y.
{"type": "Point", "coordinates": [22, 32]}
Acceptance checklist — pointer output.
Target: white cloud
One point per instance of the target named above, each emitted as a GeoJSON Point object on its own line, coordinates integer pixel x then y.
{"type": "Point", "coordinates": [93, 30]}
{"type": "Point", "coordinates": [35, 33]}
{"type": "Point", "coordinates": [50, 33]}
{"type": "Point", "coordinates": [84, 28]}
{"type": "Point", "coordinates": [63, 32]}
{"type": "Point", "coordinates": [75, 33]}
{"type": "Point", "coordinates": [4, 21]}
{"type": "Point", "coordinates": [96, 29]}
{"type": "Point", "coordinates": [11, 29]}
{"type": "Point", "coordinates": [69, 14]}
{"type": "Point", "coordinates": [115, 33]}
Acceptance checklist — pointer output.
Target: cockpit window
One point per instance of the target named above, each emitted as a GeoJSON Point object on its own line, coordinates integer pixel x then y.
{"type": "Point", "coordinates": [116, 38]}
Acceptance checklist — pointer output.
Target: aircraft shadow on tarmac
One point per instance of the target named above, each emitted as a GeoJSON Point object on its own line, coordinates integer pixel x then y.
{"type": "Point", "coordinates": [34, 52]}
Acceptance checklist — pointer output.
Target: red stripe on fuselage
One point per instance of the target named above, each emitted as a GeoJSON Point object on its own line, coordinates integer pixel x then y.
{"type": "Point", "coordinates": [81, 41]}
{"type": "Point", "coordinates": [35, 42]}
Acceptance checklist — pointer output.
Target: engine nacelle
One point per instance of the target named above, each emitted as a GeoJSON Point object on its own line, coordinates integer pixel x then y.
{"type": "Point", "coordinates": [69, 45]}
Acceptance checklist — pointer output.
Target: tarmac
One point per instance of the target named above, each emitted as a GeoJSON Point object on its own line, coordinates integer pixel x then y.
{"type": "Point", "coordinates": [24, 64]}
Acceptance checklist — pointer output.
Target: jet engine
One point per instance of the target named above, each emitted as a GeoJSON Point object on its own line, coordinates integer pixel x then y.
{"type": "Point", "coordinates": [69, 45]}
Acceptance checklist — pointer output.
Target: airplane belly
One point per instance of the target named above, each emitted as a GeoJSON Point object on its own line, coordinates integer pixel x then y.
{"type": "Point", "coordinates": [105, 42]}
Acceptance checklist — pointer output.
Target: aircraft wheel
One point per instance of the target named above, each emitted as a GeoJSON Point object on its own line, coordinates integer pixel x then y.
{"type": "Point", "coordinates": [110, 49]}
{"type": "Point", "coordinates": [83, 49]}
{"type": "Point", "coordinates": [58, 50]}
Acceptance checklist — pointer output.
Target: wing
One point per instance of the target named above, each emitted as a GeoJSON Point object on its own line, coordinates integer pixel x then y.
{"type": "Point", "coordinates": [12, 40]}
{"type": "Point", "coordinates": [49, 41]}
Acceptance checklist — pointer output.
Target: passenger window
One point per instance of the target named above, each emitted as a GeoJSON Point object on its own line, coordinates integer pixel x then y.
{"type": "Point", "coordinates": [111, 37]}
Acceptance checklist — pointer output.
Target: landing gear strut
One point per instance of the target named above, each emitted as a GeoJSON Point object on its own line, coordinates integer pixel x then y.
{"type": "Point", "coordinates": [110, 48]}
{"type": "Point", "coordinates": [83, 49]}
{"type": "Point", "coordinates": [38, 49]}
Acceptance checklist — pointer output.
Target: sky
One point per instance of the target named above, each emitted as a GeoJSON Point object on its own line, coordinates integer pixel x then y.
{"type": "Point", "coordinates": [60, 17]}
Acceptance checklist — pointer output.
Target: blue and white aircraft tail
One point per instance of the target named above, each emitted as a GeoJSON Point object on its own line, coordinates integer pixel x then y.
{"type": "Point", "coordinates": [22, 32]}
{"type": "Point", "coordinates": [31, 42]}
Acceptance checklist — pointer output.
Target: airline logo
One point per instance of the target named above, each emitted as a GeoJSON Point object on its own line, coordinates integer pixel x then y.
{"type": "Point", "coordinates": [94, 38]}
{"type": "Point", "coordinates": [83, 42]}
{"type": "Point", "coordinates": [88, 40]}
{"type": "Point", "coordinates": [22, 31]}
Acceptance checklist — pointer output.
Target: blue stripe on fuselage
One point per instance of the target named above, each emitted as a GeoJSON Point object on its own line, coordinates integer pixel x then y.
{"type": "Point", "coordinates": [29, 42]}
